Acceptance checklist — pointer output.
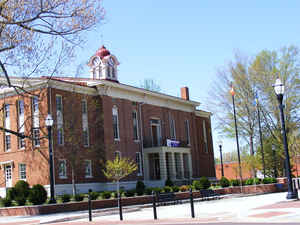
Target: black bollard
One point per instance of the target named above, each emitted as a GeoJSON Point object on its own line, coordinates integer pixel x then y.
{"type": "Point", "coordinates": [154, 205]}
{"type": "Point", "coordinates": [120, 206]}
{"type": "Point", "coordinates": [90, 205]}
{"type": "Point", "coordinates": [192, 203]}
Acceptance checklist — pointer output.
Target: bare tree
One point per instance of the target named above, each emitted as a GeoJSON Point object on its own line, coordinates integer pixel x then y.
{"type": "Point", "coordinates": [39, 36]}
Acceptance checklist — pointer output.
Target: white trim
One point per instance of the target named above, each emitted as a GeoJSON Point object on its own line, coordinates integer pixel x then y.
{"type": "Point", "coordinates": [202, 113]}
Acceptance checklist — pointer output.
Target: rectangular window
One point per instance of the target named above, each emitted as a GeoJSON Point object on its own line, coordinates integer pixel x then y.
{"type": "Point", "coordinates": [58, 103]}
{"type": "Point", "coordinates": [7, 142]}
{"type": "Point", "coordinates": [115, 123]}
{"type": "Point", "coordinates": [187, 132]}
{"type": "Point", "coordinates": [62, 168]}
{"type": "Point", "coordinates": [138, 162]}
{"type": "Point", "coordinates": [205, 137]}
{"type": "Point", "coordinates": [172, 129]}
{"type": "Point", "coordinates": [84, 106]}
{"type": "Point", "coordinates": [117, 154]}
{"type": "Point", "coordinates": [36, 137]}
{"type": "Point", "coordinates": [88, 168]}
{"type": "Point", "coordinates": [60, 136]}
{"type": "Point", "coordinates": [6, 110]}
{"type": "Point", "coordinates": [21, 141]}
{"type": "Point", "coordinates": [21, 107]}
{"type": "Point", "coordinates": [35, 104]}
{"type": "Point", "coordinates": [86, 138]}
{"type": "Point", "coordinates": [135, 126]}
{"type": "Point", "coordinates": [22, 171]}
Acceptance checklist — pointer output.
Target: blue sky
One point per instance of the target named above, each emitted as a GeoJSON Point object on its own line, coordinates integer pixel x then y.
{"type": "Point", "coordinates": [183, 43]}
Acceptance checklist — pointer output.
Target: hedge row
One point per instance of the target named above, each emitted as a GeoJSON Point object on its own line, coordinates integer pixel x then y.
{"type": "Point", "coordinates": [224, 182]}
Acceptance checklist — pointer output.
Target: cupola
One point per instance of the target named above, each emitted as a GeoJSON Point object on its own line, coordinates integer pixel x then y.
{"type": "Point", "coordinates": [103, 65]}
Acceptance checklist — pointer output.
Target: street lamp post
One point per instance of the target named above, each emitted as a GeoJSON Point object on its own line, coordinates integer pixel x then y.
{"type": "Point", "coordinates": [49, 124]}
{"type": "Point", "coordinates": [221, 156]}
{"type": "Point", "coordinates": [279, 90]}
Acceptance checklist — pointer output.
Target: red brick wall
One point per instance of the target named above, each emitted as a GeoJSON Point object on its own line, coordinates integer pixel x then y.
{"type": "Point", "coordinates": [35, 158]}
{"type": "Point", "coordinates": [231, 171]}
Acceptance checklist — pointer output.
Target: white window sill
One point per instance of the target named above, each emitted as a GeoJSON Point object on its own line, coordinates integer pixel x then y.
{"type": "Point", "coordinates": [23, 148]}
{"type": "Point", "coordinates": [63, 177]}
{"type": "Point", "coordinates": [86, 146]}
{"type": "Point", "coordinates": [23, 179]}
{"type": "Point", "coordinates": [88, 176]}
{"type": "Point", "coordinates": [117, 139]}
{"type": "Point", "coordinates": [136, 141]}
{"type": "Point", "coordinates": [139, 174]}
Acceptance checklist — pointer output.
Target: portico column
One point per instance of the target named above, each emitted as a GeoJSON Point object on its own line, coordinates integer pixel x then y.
{"type": "Point", "coordinates": [181, 165]}
{"type": "Point", "coordinates": [162, 164]}
{"type": "Point", "coordinates": [173, 166]}
{"type": "Point", "coordinates": [190, 165]}
{"type": "Point", "coordinates": [146, 166]}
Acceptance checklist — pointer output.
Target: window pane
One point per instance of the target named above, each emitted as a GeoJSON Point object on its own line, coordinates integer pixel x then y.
{"type": "Point", "coordinates": [7, 142]}
{"type": "Point", "coordinates": [135, 125]}
{"type": "Point", "coordinates": [22, 171]}
{"type": "Point", "coordinates": [21, 107]}
{"type": "Point", "coordinates": [84, 107]}
{"type": "Point", "coordinates": [35, 104]}
{"type": "Point", "coordinates": [62, 171]}
{"type": "Point", "coordinates": [60, 136]}
{"type": "Point", "coordinates": [36, 137]}
{"type": "Point", "coordinates": [58, 103]}
{"type": "Point", "coordinates": [88, 168]}
{"type": "Point", "coordinates": [21, 141]}
{"type": "Point", "coordinates": [115, 123]}
{"type": "Point", "coordinates": [85, 137]}
{"type": "Point", "coordinates": [6, 109]}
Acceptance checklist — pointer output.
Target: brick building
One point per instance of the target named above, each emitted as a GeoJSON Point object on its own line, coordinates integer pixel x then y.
{"type": "Point", "coordinates": [96, 119]}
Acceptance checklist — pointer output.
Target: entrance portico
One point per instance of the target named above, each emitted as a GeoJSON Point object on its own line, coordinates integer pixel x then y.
{"type": "Point", "coordinates": [162, 163]}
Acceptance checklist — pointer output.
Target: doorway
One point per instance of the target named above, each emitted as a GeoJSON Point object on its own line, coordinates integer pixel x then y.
{"type": "Point", "coordinates": [8, 176]}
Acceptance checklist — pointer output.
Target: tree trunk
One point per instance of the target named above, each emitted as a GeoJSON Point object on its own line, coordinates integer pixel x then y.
{"type": "Point", "coordinates": [73, 182]}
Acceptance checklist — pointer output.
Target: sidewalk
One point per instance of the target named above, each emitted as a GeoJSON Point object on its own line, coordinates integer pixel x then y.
{"type": "Point", "coordinates": [268, 208]}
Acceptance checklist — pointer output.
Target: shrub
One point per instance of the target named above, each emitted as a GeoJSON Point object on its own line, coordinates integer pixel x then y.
{"type": "Point", "coordinates": [235, 182]}
{"type": "Point", "coordinates": [169, 183]}
{"type": "Point", "coordinates": [94, 195]}
{"type": "Point", "coordinates": [6, 202]}
{"type": "Point", "coordinates": [157, 189]}
{"type": "Point", "coordinates": [256, 181]}
{"type": "Point", "coordinates": [37, 195]}
{"type": "Point", "coordinates": [269, 180]}
{"type": "Point", "coordinates": [106, 195]}
{"type": "Point", "coordinates": [184, 188]}
{"type": "Point", "coordinates": [22, 189]}
{"type": "Point", "coordinates": [167, 189]}
{"type": "Point", "coordinates": [196, 184]}
{"type": "Point", "coordinates": [79, 197]}
{"type": "Point", "coordinates": [65, 198]}
{"type": "Point", "coordinates": [224, 182]}
{"type": "Point", "coordinates": [11, 193]}
{"type": "Point", "coordinates": [21, 200]}
{"type": "Point", "coordinates": [249, 181]}
{"type": "Point", "coordinates": [140, 187]}
{"type": "Point", "coordinates": [175, 188]}
{"type": "Point", "coordinates": [130, 193]}
{"type": "Point", "coordinates": [148, 191]}
{"type": "Point", "coordinates": [204, 183]}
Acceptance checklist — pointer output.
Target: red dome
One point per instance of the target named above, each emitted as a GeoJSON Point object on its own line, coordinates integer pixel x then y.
{"type": "Point", "coordinates": [102, 52]}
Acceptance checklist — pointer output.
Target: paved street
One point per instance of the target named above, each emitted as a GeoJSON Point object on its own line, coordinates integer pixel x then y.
{"type": "Point", "coordinates": [269, 208]}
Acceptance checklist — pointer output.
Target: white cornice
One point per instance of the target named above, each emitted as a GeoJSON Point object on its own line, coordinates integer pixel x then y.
{"type": "Point", "coordinates": [202, 113]}
{"type": "Point", "coordinates": [122, 91]}
{"type": "Point", "coordinates": [37, 83]}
